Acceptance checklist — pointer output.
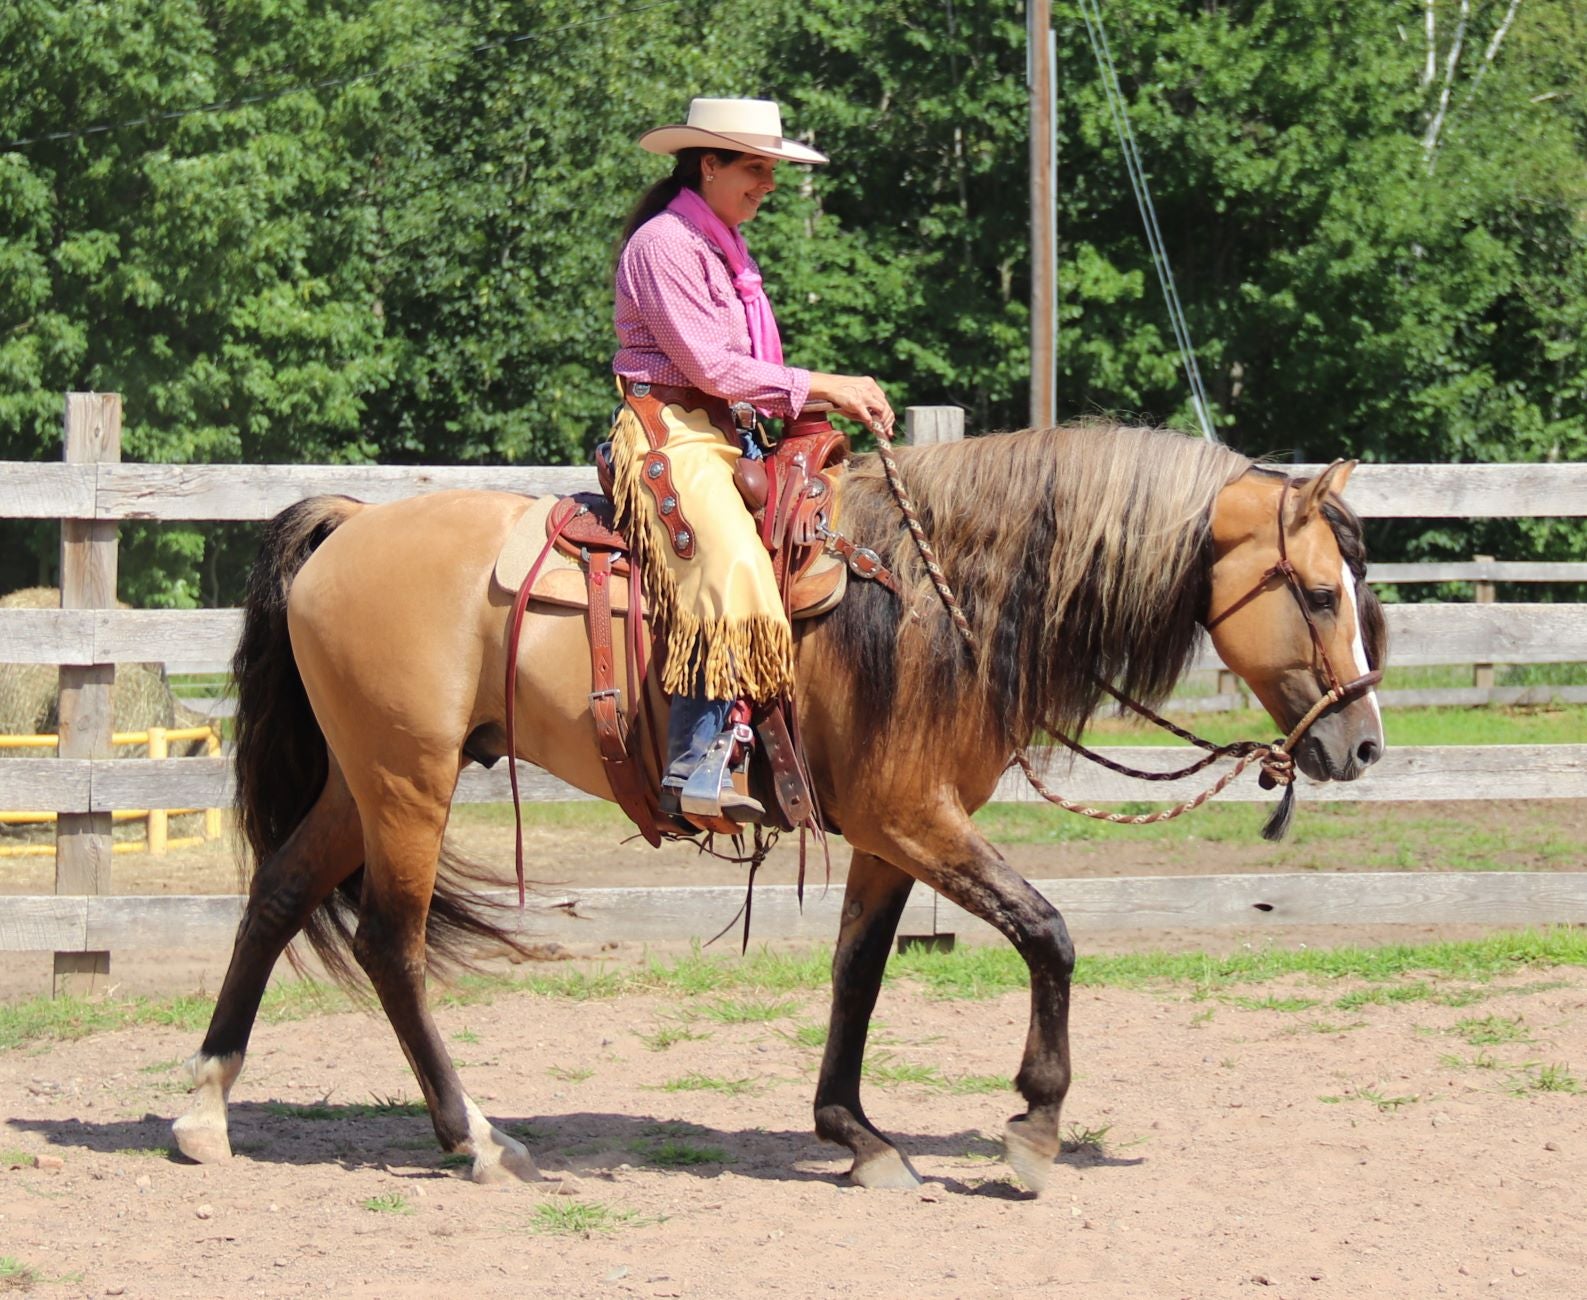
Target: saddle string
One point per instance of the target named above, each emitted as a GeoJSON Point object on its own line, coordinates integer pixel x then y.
{"type": "Point", "coordinates": [1276, 759]}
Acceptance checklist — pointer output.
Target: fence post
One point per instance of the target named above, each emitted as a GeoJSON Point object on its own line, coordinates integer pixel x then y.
{"type": "Point", "coordinates": [159, 823]}
{"type": "Point", "coordinates": [925, 424]}
{"type": "Point", "coordinates": [88, 581]}
{"type": "Point", "coordinates": [1482, 674]}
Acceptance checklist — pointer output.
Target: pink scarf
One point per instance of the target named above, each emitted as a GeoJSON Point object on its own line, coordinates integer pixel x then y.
{"type": "Point", "coordinates": [765, 344]}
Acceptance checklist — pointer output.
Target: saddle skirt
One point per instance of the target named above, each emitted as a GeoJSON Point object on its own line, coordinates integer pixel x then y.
{"type": "Point", "coordinates": [562, 580]}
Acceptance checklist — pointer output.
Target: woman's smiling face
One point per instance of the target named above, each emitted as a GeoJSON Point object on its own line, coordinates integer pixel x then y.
{"type": "Point", "coordinates": [735, 190]}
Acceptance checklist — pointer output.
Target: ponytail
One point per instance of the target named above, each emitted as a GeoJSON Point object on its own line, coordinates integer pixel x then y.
{"type": "Point", "coordinates": [685, 173]}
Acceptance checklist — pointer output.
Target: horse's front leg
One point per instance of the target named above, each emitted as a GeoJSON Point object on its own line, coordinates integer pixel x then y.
{"type": "Point", "coordinates": [873, 900]}
{"type": "Point", "coordinates": [961, 866]}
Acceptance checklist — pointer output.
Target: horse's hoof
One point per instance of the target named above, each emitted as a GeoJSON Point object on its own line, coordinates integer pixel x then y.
{"type": "Point", "coordinates": [1030, 1152]}
{"type": "Point", "coordinates": [888, 1170]}
{"type": "Point", "coordinates": [511, 1167]}
{"type": "Point", "coordinates": [201, 1142]}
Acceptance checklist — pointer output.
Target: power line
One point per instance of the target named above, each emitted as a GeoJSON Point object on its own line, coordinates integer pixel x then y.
{"type": "Point", "coordinates": [1092, 14]}
{"type": "Point", "coordinates": [331, 83]}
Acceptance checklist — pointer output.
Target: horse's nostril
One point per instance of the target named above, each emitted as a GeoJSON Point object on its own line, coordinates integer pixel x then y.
{"type": "Point", "coordinates": [1368, 752]}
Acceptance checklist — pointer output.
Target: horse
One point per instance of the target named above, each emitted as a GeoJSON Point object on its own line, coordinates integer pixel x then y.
{"type": "Point", "coordinates": [372, 668]}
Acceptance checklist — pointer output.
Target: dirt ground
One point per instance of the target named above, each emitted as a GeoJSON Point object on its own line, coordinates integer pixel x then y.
{"type": "Point", "coordinates": [1238, 1149]}
{"type": "Point", "coordinates": [1238, 1145]}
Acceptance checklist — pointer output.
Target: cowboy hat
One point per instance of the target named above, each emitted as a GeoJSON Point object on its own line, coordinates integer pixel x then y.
{"type": "Point", "coordinates": [745, 125]}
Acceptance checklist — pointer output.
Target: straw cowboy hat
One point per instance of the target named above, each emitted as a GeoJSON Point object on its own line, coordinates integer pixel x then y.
{"type": "Point", "coordinates": [747, 125]}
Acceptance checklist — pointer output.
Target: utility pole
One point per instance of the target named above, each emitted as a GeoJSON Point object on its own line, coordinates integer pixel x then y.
{"type": "Point", "coordinates": [1042, 77]}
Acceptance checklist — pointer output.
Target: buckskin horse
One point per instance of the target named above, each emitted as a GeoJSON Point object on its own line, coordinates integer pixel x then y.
{"type": "Point", "coordinates": [372, 664]}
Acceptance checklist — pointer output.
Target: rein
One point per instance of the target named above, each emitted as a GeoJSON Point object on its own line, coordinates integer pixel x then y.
{"type": "Point", "coordinates": [1276, 758]}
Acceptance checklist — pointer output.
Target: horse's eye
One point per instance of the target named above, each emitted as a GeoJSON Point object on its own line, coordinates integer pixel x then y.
{"type": "Point", "coordinates": [1322, 599]}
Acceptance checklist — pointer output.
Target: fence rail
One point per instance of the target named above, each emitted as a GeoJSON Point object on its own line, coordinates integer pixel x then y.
{"type": "Point", "coordinates": [94, 492]}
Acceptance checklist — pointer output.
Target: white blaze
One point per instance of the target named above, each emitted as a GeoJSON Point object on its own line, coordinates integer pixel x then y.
{"type": "Point", "coordinates": [1358, 648]}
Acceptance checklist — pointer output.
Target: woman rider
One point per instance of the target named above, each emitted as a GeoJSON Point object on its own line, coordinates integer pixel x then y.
{"type": "Point", "coordinates": [697, 336]}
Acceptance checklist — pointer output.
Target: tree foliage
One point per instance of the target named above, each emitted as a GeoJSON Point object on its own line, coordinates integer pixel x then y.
{"type": "Point", "coordinates": [350, 230]}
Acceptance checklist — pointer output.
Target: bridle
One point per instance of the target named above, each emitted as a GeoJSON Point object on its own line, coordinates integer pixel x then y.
{"type": "Point", "coordinates": [1335, 692]}
{"type": "Point", "coordinates": [1277, 758]}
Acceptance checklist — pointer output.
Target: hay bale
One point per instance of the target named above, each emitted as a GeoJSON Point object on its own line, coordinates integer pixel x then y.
{"type": "Point", "coordinates": [141, 697]}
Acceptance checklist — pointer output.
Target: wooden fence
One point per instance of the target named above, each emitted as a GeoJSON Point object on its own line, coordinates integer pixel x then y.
{"type": "Point", "coordinates": [92, 492]}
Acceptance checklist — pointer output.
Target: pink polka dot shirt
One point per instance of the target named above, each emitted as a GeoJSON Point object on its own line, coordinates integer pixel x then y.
{"type": "Point", "coordinates": [679, 321]}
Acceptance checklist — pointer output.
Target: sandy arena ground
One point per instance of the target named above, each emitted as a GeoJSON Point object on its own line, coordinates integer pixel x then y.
{"type": "Point", "coordinates": [1237, 1147]}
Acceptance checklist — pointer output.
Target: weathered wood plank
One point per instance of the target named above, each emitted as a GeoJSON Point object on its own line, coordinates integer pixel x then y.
{"type": "Point", "coordinates": [924, 425]}
{"type": "Point", "coordinates": [679, 914]}
{"type": "Point", "coordinates": [1478, 571]}
{"type": "Point", "coordinates": [1342, 898]}
{"type": "Point", "coordinates": [162, 921]}
{"type": "Point", "coordinates": [45, 784]}
{"type": "Point", "coordinates": [1404, 774]}
{"type": "Point", "coordinates": [1411, 774]}
{"type": "Point", "coordinates": [161, 783]}
{"type": "Point", "coordinates": [1479, 696]}
{"type": "Point", "coordinates": [40, 923]}
{"type": "Point", "coordinates": [262, 491]}
{"type": "Point", "coordinates": [47, 491]}
{"type": "Point", "coordinates": [34, 491]}
{"type": "Point", "coordinates": [46, 636]}
{"type": "Point", "coordinates": [139, 635]}
{"type": "Point", "coordinates": [1465, 491]}
{"type": "Point", "coordinates": [1420, 634]}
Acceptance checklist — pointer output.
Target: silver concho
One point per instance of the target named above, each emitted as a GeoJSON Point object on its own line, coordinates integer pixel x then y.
{"type": "Point", "coordinates": [683, 538]}
{"type": "Point", "coordinates": [668, 505]}
{"type": "Point", "coordinates": [654, 469]}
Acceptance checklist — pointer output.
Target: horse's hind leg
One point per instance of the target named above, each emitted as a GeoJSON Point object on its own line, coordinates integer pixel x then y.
{"type": "Point", "coordinates": [399, 879]}
{"type": "Point", "coordinates": [323, 851]}
{"type": "Point", "coordinates": [873, 901]}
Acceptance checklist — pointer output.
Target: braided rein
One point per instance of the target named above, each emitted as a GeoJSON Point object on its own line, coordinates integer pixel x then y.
{"type": "Point", "coordinates": [1276, 758]}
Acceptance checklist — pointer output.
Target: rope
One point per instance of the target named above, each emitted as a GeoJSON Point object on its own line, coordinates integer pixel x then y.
{"type": "Point", "coordinates": [1278, 766]}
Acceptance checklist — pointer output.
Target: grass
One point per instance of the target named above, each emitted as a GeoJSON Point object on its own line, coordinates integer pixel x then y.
{"type": "Point", "coordinates": [1086, 1141]}
{"type": "Point", "coordinates": [667, 1035]}
{"type": "Point", "coordinates": [388, 1203]}
{"type": "Point", "coordinates": [17, 1276]}
{"type": "Point", "coordinates": [1554, 1078]}
{"type": "Point", "coordinates": [749, 1011]}
{"type": "Point", "coordinates": [1384, 1103]}
{"type": "Point", "coordinates": [1447, 973]}
{"type": "Point", "coordinates": [571, 1074]}
{"type": "Point", "coordinates": [694, 1081]}
{"type": "Point", "coordinates": [322, 1110]}
{"type": "Point", "coordinates": [10, 1157]}
{"type": "Point", "coordinates": [1490, 1030]}
{"type": "Point", "coordinates": [673, 1154]}
{"type": "Point", "coordinates": [885, 1069]}
{"type": "Point", "coordinates": [577, 1218]}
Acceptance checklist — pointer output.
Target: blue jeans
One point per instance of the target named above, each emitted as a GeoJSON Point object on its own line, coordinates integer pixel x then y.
{"type": "Point", "coordinates": [694, 724]}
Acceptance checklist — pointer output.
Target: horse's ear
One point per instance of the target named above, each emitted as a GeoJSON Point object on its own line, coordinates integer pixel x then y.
{"type": "Point", "coordinates": [1331, 480]}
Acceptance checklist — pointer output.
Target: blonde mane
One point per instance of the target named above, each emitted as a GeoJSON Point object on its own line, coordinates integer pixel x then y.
{"type": "Point", "coordinates": [1078, 553]}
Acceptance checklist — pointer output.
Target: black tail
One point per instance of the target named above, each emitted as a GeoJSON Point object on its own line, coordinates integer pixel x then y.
{"type": "Point", "coordinates": [281, 760]}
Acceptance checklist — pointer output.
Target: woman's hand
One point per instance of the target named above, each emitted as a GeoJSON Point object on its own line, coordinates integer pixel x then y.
{"type": "Point", "coordinates": [857, 396]}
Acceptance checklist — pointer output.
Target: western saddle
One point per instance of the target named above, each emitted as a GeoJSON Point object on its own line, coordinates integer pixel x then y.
{"type": "Point", "coordinates": [581, 560]}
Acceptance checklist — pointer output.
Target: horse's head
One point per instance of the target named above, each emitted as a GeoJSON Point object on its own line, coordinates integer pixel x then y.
{"type": "Point", "coordinates": [1291, 613]}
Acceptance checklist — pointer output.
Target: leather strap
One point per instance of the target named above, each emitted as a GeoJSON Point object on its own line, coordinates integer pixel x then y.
{"type": "Point", "coordinates": [520, 602]}
{"type": "Point", "coordinates": [862, 561]}
{"type": "Point", "coordinates": [621, 771]}
{"type": "Point", "coordinates": [793, 796]}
